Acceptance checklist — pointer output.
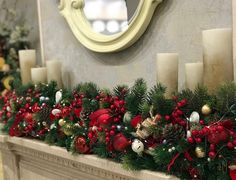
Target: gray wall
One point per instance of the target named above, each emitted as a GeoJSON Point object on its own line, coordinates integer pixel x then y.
{"type": "Point", "coordinates": [175, 27]}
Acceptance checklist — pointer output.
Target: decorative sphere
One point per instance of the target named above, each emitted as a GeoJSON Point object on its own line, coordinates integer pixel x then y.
{"type": "Point", "coordinates": [200, 153]}
{"type": "Point", "coordinates": [206, 110]}
{"type": "Point", "coordinates": [127, 117]}
{"type": "Point", "coordinates": [61, 122]}
{"type": "Point", "coordinates": [137, 146]}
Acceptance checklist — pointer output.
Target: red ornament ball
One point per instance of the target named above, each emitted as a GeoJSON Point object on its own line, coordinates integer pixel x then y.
{"type": "Point", "coordinates": [120, 142]}
{"type": "Point", "coordinates": [81, 145]}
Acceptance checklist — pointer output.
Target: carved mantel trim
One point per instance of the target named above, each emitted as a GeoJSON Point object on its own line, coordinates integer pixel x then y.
{"type": "Point", "coordinates": [33, 154]}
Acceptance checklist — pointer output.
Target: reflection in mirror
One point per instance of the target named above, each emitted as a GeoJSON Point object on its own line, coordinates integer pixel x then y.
{"type": "Point", "coordinates": [110, 16]}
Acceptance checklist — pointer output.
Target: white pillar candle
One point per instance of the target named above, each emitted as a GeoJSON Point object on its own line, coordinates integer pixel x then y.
{"type": "Point", "coordinates": [217, 57]}
{"type": "Point", "coordinates": [39, 75]}
{"type": "Point", "coordinates": [54, 72]}
{"type": "Point", "coordinates": [167, 71]}
{"type": "Point", "coordinates": [193, 75]}
{"type": "Point", "coordinates": [27, 60]}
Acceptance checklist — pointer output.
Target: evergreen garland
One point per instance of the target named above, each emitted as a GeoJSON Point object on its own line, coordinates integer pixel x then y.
{"type": "Point", "coordinates": [177, 136]}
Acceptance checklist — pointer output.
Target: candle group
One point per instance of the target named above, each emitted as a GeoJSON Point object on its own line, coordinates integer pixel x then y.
{"type": "Point", "coordinates": [217, 66]}
{"type": "Point", "coordinates": [30, 73]}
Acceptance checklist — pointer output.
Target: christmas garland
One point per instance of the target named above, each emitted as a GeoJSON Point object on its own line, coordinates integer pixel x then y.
{"type": "Point", "coordinates": [192, 135]}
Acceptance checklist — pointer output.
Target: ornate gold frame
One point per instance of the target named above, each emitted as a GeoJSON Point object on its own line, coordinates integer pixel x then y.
{"type": "Point", "coordinates": [72, 10]}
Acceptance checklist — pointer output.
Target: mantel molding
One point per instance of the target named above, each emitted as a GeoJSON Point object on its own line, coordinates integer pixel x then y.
{"type": "Point", "coordinates": [32, 155]}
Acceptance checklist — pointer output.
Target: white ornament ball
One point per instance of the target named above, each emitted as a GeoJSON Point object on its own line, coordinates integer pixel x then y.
{"type": "Point", "coordinates": [127, 117]}
{"type": "Point", "coordinates": [194, 117]}
{"type": "Point", "coordinates": [173, 148]}
{"type": "Point", "coordinates": [137, 146]}
{"type": "Point", "coordinates": [42, 98]}
{"type": "Point", "coordinates": [169, 150]}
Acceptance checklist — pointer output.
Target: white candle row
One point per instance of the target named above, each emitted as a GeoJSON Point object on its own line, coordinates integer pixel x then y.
{"type": "Point", "coordinates": [217, 66]}
{"type": "Point", "coordinates": [30, 73]}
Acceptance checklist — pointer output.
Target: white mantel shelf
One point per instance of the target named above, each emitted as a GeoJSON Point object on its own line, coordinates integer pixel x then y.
{"type": "Point", "coordinates": [26, 159]}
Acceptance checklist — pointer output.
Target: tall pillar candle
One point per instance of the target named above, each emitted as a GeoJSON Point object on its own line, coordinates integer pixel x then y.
{"type": "Point", "coordinates": [27, 60]}
{"type": "Point", "coordinates": [167, 71]}
{"type": "Point", "coordinates": [54, 72]}
{"type": "Point", "coordinates": [193, 75]}
{"type": "Point", "coordinates": [217, 57]}
{"type": "Point", "coordinates": [39, 75]}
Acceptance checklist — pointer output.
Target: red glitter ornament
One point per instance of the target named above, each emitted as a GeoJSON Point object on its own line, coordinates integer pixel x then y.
{"type": "Point", "coordinates": [81, 145]}
{"type": "Point", "coordinates": [120, 142]}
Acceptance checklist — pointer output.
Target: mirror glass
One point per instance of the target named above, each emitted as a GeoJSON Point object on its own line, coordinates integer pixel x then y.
{"type": "Point", "coordinates": [110, 16]}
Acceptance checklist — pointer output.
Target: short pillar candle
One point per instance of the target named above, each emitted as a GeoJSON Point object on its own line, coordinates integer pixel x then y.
{"type": "Point", "coordinates": [193, 75]}
{"type": "Point", "coordinates": [167, 71]}
{"type": "Point", "coordinates": [39, 75]}
{"type": "Point", "coordinates": [54, 72]}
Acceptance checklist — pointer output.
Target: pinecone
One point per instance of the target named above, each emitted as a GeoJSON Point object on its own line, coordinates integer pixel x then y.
{"type": "Point", "coordinates": [44, 113]}
{"type": "Point", "coordinates": [172, 133]}
{"type": "Point", "coordinates": [84, 115]}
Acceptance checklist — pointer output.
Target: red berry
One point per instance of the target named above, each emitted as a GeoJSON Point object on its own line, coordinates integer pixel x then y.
{"type": "Point", "coordinates": [107, 139]}
{"type": "Point", "coordinates": [232, 133]}
{"type": "Point", "coordinates": [179, 112]}
{"type": "Point", "coordinates": [212, 154]}
{"type": "Point", "coordinates": [113, 127]}
{"type": "Point", "coordinates": [220, 156]}
{"type": "Point", "coordinates": [201, 122]}
{"type": "Point", "coordinates": [212, 147]}
{"type": "Point", "coordinates": [234, 142]}
{"type": "Point", "coordinates": [198, 140]}
{"type": "Point", "coordinates": [230, 145]}
{"type": "Point", "coordinates": [220, 128]}
{"type": "Point", "coordinates": [195, 132]}
{"type": "Point", "coordinates": [112, 133]}
{"type": "Point", "coordinates": [190, 140]}
{"type": "Point", "coordinates": [107, 133]}
{"type": "Point", "coordinates": [90, 135]}
{"type": "Point", "coordinates": [167, 117]}
{"type": "Point", "coordinates": [100, 129]}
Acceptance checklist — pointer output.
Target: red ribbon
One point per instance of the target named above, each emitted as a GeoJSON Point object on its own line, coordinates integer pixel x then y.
{"type": "Point", "coordinates": [187, 156]}
{"type": "Point", "coordinates": [173, 161]}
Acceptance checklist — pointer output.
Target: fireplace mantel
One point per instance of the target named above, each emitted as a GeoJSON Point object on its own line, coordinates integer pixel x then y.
{"type": "Point", "coordinates": [26, 159]}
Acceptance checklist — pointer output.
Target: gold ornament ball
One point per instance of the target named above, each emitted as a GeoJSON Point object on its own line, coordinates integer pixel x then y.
{"type": "Point", "coordinates": [206, 110]}
{"type": "Point", "coordinates": [61, 122]}
{"type": "Point", "coordinates": [68, 130]}
{"type": "Point", "coordinates": [200, 153]}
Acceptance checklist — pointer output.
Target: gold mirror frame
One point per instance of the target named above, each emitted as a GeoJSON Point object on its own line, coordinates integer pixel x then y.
{"type": "Point", "coordinates": [73, 12]}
